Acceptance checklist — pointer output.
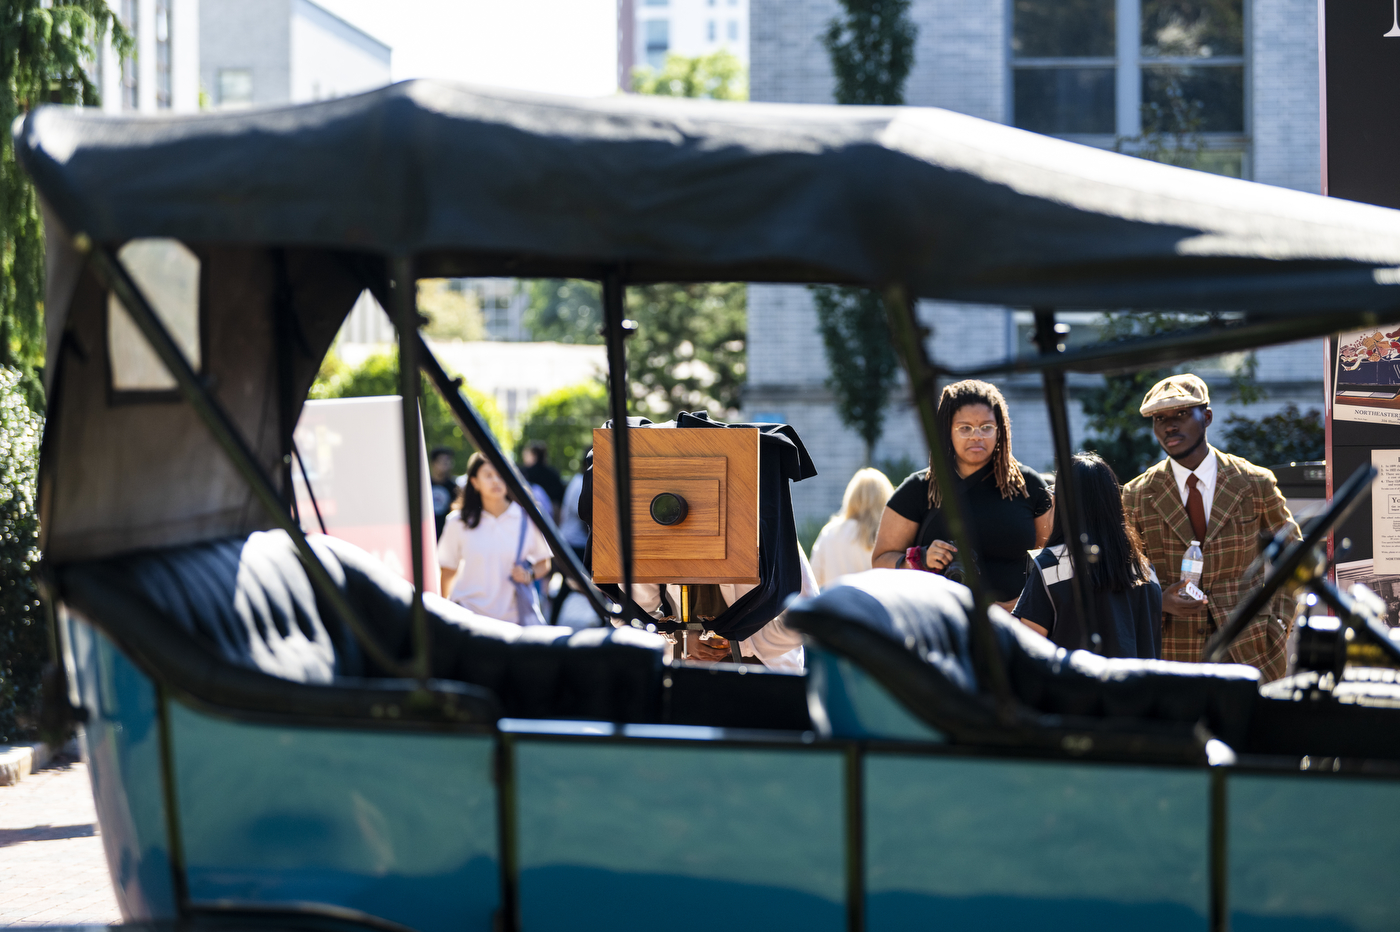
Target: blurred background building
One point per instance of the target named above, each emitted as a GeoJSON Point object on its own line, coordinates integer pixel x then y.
{"type": "Point", "coordinates": [258, 52]}
{"type": "Point", "coordinates": [649, 30]}
{"type": "Point", "coordinates": [164, 75]}
{"type": "Point", "coordinates": [1229, 86]}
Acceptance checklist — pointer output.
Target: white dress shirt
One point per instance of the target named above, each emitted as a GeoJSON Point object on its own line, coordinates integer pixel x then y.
{"type": "Point", "coordinates": [775, 644]}
{"type": "Point", "coordinates": [1205, 480]}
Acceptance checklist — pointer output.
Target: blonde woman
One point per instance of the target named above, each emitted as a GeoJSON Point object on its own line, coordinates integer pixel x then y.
{"type": "Point", "coordinates": [845, 544]}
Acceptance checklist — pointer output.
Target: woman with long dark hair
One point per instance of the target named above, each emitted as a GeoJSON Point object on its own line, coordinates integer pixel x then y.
{"type": "Point", "coordinates": [1008, 506]}
{"type": "Point", "coordinates": [490, 552]}
{"type": "Point", "coordinates": [1127, 597]}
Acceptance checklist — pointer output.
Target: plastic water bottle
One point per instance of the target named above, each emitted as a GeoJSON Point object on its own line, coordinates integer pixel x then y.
{"type": "Point", "coordinates": [1192, 564]}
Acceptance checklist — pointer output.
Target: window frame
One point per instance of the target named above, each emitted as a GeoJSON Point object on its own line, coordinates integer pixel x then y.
{"type": "Point", "coordinates": [222, 103]}
{"type": "Point", "coordinates": [164, 20]}
{"type": "Point", "coordinates": [129, 13]}
{"type": "Point", "coordinates": [1128, 64]}
{"type": "Point", "coordinates": [648, 49]}
{"type": "Point", "coordinates": [117, 397]}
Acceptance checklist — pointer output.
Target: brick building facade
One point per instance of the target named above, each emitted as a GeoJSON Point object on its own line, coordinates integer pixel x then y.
{"type": "Point", "coordinates": [964, 62]}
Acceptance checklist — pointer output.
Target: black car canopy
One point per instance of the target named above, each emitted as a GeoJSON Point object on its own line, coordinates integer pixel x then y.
{"type": "Point", "coordinates": [286, 209]}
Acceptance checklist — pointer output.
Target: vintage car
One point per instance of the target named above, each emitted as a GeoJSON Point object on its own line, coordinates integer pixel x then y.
{"type": "Point", "coordinates": [281, 732]}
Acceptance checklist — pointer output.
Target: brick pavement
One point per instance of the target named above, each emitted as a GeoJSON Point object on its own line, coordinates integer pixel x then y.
{"type": "Point", "coordinates": [52, 869]}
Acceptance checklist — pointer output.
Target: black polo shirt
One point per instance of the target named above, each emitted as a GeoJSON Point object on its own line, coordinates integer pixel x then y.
{"type": "Point", "coordinates": [1002, 529]}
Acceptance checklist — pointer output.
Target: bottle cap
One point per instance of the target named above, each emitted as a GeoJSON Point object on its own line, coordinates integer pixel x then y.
{"type": "Point", "coordinates": [1195, 543]}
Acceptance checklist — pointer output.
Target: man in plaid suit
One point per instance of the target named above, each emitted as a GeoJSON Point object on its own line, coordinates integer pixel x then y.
{"type": "Point", "coordinates": [1223, 501]}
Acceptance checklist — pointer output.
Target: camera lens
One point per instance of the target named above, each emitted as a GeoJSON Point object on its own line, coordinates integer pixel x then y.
{"type": "Point", "coordinates": [667, 509]}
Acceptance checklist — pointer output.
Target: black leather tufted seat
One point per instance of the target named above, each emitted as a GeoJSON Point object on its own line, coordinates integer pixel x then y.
{"type": "Point", "coordinates": [910, 632]}
{"type": "Point", "coordinates": [250, 603]}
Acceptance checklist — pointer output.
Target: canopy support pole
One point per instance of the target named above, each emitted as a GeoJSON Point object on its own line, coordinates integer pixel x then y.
{"type": "Point", "coordinates": [476, 430]}
{"type": "Point", "coordinates": [114, 275]}
{"type": "Point", "coordinates": [1178, 346]}
{"type": "Point", "coordinates": [616, 329]}
{"type": "Point", "coordinates": [284, 327]}
{"type": "Point", "coordinates": [1068, 507]}
{"type": "Point", "coordinates": [404, 295]}
{"type": "Point", "coordinates": [908, 336]}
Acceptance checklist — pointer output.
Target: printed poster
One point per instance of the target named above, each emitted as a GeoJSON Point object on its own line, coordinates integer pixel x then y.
{"type": "Point", "coordinates": [1385, 586]}
{"type": "Point", "coordinates": [1367, 386]}
{"type": "Point", "coordinates": [1385, 511]}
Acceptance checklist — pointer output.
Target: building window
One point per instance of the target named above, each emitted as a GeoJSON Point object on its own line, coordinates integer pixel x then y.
{"type": "Point", "coordinates": [235, 87]}
{"type": "Point", "coordinates": [656, 2]}
{"type": "Point", "coordinates": [1164, 78]}
{"type": "Point", "coordinates": [658, 41]}
{"type": "Point", "coordinates": [130, 96]}
{"type": "Point", "coordinates": [168, 274]}
{"type": "Point", "coordinates": [733, 30]}
{"type": "Point", "coordinates": [163, 96]}
{"type": "Point", "coordinates": [710, 32]}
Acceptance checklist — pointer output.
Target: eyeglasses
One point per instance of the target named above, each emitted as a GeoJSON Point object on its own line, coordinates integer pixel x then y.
{"type": "Point", "coordinates": [967, 431]}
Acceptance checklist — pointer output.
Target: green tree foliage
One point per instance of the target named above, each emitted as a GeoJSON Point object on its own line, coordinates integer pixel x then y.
{"type": "Point", "coordinates": [1171, 130]}
{"type": "Point", "coordinates": [23, 634]}
{"type": "Point", "coordinates": [717, 76]}
{"type": "Point", "coordinates": [899, 468]}
{"type": "Point", "coordinates": [859, 356]}
{"type": "Point", "coordinates": [379, 375]}
{"type": "Point", "coordinates": [565, 311]}
{"type": "Point", "coordinates": [1290, 436]}
{"type": "Point", "coordinates": [45, 47]}
{"type": "Point", "coordinates": [688, 353]}
{"type": "Point", "coordinates": [564, 420]}
{"type": "Point", "coordinates": [452, 314]}
{"type": "Point", "coordinates": [689, 350]}
{"type": "Point", "coordinates": [871, 46]}
{"type": "Point", "coordinates": [1117, 432]}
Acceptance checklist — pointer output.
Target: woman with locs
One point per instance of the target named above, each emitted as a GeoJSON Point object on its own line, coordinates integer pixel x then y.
{"type": "Point", "coordinates": [1127, 597]}
{"type": "Point", "coordinates": [1007, 506]}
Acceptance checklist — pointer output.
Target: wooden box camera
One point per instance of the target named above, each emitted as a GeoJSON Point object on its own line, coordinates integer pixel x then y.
{"type": "Point", "coordinates": [694, 506]}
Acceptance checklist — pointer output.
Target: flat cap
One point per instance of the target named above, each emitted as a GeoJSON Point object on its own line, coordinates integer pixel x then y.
{"type": "Point", "coordinates": [1177, 391]}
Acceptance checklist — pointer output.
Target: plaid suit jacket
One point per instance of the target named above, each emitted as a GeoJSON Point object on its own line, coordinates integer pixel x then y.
{"type": "Point", "coordinates": [1247, 501]}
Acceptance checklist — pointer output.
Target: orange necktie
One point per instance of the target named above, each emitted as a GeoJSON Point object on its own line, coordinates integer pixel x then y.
{"type": "Point", "coordinates": [1195, 507]}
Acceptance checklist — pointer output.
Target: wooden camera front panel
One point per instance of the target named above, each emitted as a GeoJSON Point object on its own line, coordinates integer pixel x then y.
{"type": "Point", "coordinates": [715, 471]}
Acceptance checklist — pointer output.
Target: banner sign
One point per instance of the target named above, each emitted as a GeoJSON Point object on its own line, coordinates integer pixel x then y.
{"type": "Point", "coordinates": [353, 453]}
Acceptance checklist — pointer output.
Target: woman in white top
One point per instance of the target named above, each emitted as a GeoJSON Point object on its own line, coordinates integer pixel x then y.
{"type": "Point", "coordinates": [846, 543]}
{"type": "Point", "coordinates": [479, 543]}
